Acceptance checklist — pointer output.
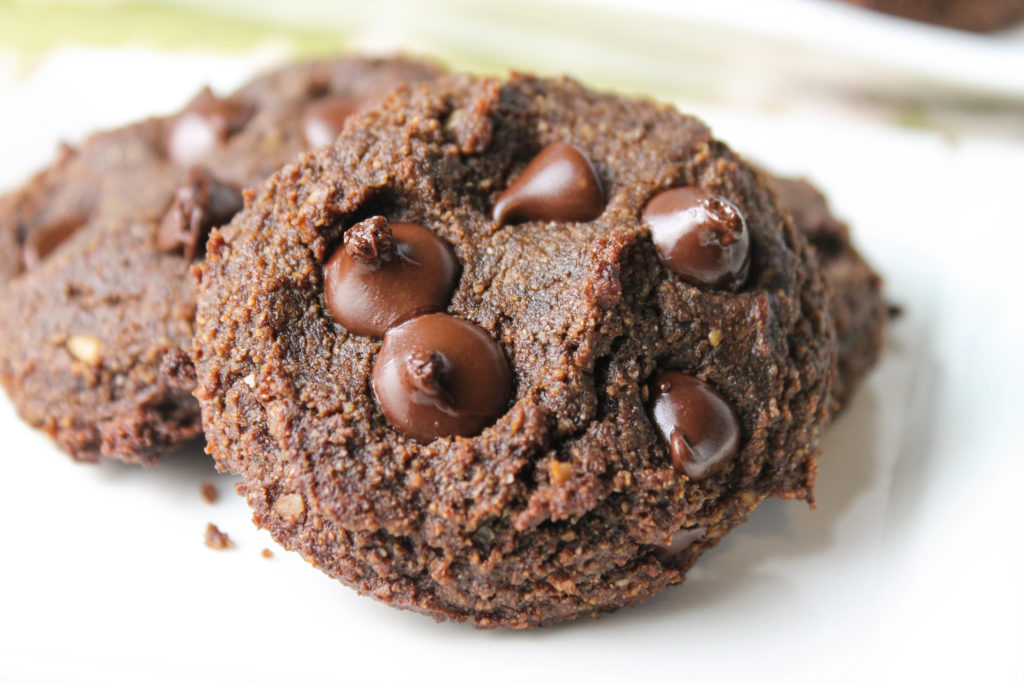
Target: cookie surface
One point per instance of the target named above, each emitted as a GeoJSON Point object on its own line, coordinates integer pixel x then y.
{"type": "Point", "coordinates": [105, 238]}
{"type": "Point", "coordinates": [581, 493]}
{"type": "Point", "coordinates": [856, 304]}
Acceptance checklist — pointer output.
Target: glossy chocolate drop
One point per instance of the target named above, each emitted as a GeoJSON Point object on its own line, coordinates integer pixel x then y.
{"type": "Point", "coordinates": [324, 118]}
{"type": "Point", "coordinates": [42, 240]}
{"type": "Point", "coordinates": [199, 205]}
{"type": "Point", "coordinates": [560, 184]}
{"type": "Point", "coordinates": [386, 273]}
{"type": "Point", "coordinates": [697, 425]}
{"type": "Point", "coordinates": [207, 122]}
{"type": "Point", "coordinates": [437, 375]}
{"type": "Point", "coordinates": [700, 237]}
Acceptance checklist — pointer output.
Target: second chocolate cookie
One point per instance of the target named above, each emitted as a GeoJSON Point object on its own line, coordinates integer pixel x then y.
{"type": "Point", "coordinates": [94, 327]}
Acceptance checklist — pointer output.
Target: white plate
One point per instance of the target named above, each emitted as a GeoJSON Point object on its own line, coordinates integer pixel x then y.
{"type": "Point", "coordinates": [909, 567]}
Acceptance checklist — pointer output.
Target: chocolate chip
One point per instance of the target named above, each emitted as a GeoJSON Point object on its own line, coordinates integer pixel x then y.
{"type": "Point", "coordinates": [324, 118]}
{"type": "Point", "coordinates": [700, 237]}
{"type": "Point", "coordinates": [697, 425]}
{"type": "Point", "coordinates": [560, 184]}
{"type": "Point", "coordinates": [437, 375]}
{"type": "Point", "coordinates": [371, 242]}
{"type": "Point", "coordinates": [387, 273]}
{"type": "Point", "coordinates": [42, 240]}
{"type": "Point", "coordinates": [428, 374]}
{"type": "Point", "coordinates": [207, 122]}
{"type": "Point", "coordinates": [199, 205]}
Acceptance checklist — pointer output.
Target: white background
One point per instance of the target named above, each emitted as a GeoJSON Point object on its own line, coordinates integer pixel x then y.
{"type": "Point", "coordinates": [910, 566]}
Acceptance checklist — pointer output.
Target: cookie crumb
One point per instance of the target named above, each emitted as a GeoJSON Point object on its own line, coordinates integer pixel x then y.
{"type": "Point", "coordinates": [85, 348]}
{"type": "Point", "coordinates": [561, 472]}
{"type": "Point", "coordinates": [267, 554]}
{"type": "Point", "coordinates": [209, 492]}
{"type": "Point", "coordinates": [290, 507]}
{"type": "Point", "coordinates": [215, 539]}
{"type": "Point", "coordinates": [715, 337]}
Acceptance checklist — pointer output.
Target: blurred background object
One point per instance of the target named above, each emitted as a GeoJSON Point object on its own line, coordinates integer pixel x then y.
{"type": "Point", "coordinates": [826, 60]}
{"type": "Point", "coordinates": [824, 56]}
{"type": "Point", "coordinates": [968, 15]}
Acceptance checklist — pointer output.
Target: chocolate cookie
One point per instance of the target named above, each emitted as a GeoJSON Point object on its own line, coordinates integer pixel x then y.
{"type": "Point", "coordinates": [632, 350]}
{"type": "Point", "coordinates": [106, 238]}
{"type": "Point", "coordinates": [856, 304]}
{"type": "Point", "coordinates": [10, 252]}
{"type": "Point", "coordinates": [969, 15]}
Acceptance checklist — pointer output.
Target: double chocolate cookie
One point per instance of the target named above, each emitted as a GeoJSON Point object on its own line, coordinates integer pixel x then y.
{"type": "Point", "coordinates": [513, 351]}
{"type": "Point", "coordinates": [856, 303]}
{"type": "Point", "coordinates": [100, 311]}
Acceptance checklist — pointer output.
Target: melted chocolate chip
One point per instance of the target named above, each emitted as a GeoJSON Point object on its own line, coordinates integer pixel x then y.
{"type": "Point", "coordinates": [199, 205]}
{"type": "Point", "coordinates": [385, 274]}
{"type": "Point", "coordinates": [207, 122]}
{"type": "Point", "coordinates": [43, 239]}
{"type": "Point", "coordinates": [324, 118]}
{"type": "Point", "coordinates": [700, 237]}
{"type": "Point", "coordinates": [560, 184]}
{"type": "Point", "coordinates": [699, 427]}
{"type": "Point", "coordinates": [437, 375]}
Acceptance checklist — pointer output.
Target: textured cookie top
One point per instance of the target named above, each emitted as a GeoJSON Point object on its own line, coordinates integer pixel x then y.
{"type": "Point", "coordinates": [108, 234]}
{"type": "Point", "coordinates": [584, 311]}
